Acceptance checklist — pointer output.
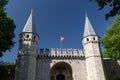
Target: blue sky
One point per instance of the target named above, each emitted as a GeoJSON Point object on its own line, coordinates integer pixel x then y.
{"type": "Point", "coordinates": [55, 18]}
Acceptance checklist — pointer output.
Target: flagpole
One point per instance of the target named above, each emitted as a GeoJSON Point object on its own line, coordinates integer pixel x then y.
{"type": "Point", "coordinates": [62, 38]}
{"type": "Point", "coordinates": [60, 44]}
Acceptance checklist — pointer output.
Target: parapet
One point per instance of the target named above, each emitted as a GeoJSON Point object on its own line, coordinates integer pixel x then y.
{"type": "Point", "coordinates": [61, 52]}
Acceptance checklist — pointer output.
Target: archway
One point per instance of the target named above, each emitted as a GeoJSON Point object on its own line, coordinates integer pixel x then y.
{"type": "Point", "coordinates": [61, 71]}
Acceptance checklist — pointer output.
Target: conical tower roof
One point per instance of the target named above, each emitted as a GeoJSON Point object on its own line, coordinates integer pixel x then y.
{"type": "Point", "coordinates": [29, 26]}
{"type": "Point", "coordinates": [88, 30]}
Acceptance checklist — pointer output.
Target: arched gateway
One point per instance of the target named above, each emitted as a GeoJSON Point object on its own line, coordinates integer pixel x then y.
{"type": "Point", "coordinates": [61, 71]}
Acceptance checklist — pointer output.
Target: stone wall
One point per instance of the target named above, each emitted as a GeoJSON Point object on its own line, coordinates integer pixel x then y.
{"type": "Point", "coordinates": [112, 69]}
{"type": "Point", "coordinates": [73, 58]}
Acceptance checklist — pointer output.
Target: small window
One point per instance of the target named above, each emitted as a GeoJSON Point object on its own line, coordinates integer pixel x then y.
{"type": "Point", "coordinates": [34, 37]}
{"type": "Point", "coordinates": [87, 39]}
{"type": "Point", "coordinates": [27, 36]}
{"type": "Point", "coordinates": [93, 38]}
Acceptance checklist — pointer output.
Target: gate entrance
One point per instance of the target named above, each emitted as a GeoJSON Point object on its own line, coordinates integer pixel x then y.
{"type": "Point", "coordinates": [61, 71]}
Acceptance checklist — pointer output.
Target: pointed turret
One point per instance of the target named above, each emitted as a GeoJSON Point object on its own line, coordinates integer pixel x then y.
{"type": "Point", "coordinates": [88, 30]}
{"type": "Point", "coordinates": [29, 26]}
{"type": "Point", "coordinates": [28, 51]}
{"type": "Point", "coordinates": [92, 51]}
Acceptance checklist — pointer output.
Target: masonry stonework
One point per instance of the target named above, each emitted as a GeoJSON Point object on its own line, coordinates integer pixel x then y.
{"type": "Point", "coordinates": [59, 64]}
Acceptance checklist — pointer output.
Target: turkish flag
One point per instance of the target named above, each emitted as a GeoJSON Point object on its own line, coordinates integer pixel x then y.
{"type": "Point", "coordinates": [62, 38]}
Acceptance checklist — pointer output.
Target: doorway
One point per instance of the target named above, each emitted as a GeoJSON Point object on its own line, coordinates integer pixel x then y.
{"type": "Point", "coordinates": [61, 71]}
{"type": "Point", "coordinates": [60, 77]}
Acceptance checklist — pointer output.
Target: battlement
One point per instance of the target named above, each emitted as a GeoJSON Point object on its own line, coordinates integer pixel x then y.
{"type": "Point", "coordinates": [61, 52]}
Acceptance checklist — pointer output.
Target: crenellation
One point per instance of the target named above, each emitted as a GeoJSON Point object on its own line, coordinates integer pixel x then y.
{"type": "Point", "coordinates": [47, 51]}
{"type": "Point", "coordinates": [80, 52]}
{"type": "Point", "coordinates": [75, 52]}
{"type": "Point", "coordinates": [52, 52]}
{"type": "Point", "coordinates": [58, 52]}
{"type": "Point", "coordinates": [63, 52]}
{"type": "Point", "coordinates": [69, 51]}
{"type": "Point", "coordinates": [42, 51]}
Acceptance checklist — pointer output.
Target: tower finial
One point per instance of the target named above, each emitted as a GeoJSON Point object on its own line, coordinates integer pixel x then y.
{"type": "Point", "coordinates": [86, 13]}
{"type": "Point", "coordinates": [31, 10]}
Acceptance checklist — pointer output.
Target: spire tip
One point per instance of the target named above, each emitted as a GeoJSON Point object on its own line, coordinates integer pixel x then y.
{"type": "Point", "coordinates": [32, 10]}
{"type": "Point", "coordinates": [86, 13]}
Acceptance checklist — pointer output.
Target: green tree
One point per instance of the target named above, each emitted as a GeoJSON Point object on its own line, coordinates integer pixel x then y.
{"type": "Point", "coordinates": [113, 4]}
{"type": "Point", "coordinates": [7, 70]}
{"type": "Point", "coordinates": [111, 40]}
{"type": "Point", "coordinates": [7, 28]}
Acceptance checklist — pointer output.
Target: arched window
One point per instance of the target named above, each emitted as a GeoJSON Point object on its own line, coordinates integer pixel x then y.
{"type": "Point", "coordinates": [93, 38]}
{"type": "Point", "coordinates": [87, 39]}
{"type": "Point", "coordinates": [27, 36]}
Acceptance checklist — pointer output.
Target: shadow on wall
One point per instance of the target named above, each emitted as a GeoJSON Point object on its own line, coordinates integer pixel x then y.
{"type": "Point", "coordinates": [112, 69]}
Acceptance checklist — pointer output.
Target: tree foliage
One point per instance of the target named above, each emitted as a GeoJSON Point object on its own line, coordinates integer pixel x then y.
{"type": "Point", "coordinates": [113, 4]}
{"type": "Point", "coordinates": [111, 40]}
{"type": "Point", "coordinates": [7, 28]}
{"type": "Point", "coordinates": [7, 70]}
